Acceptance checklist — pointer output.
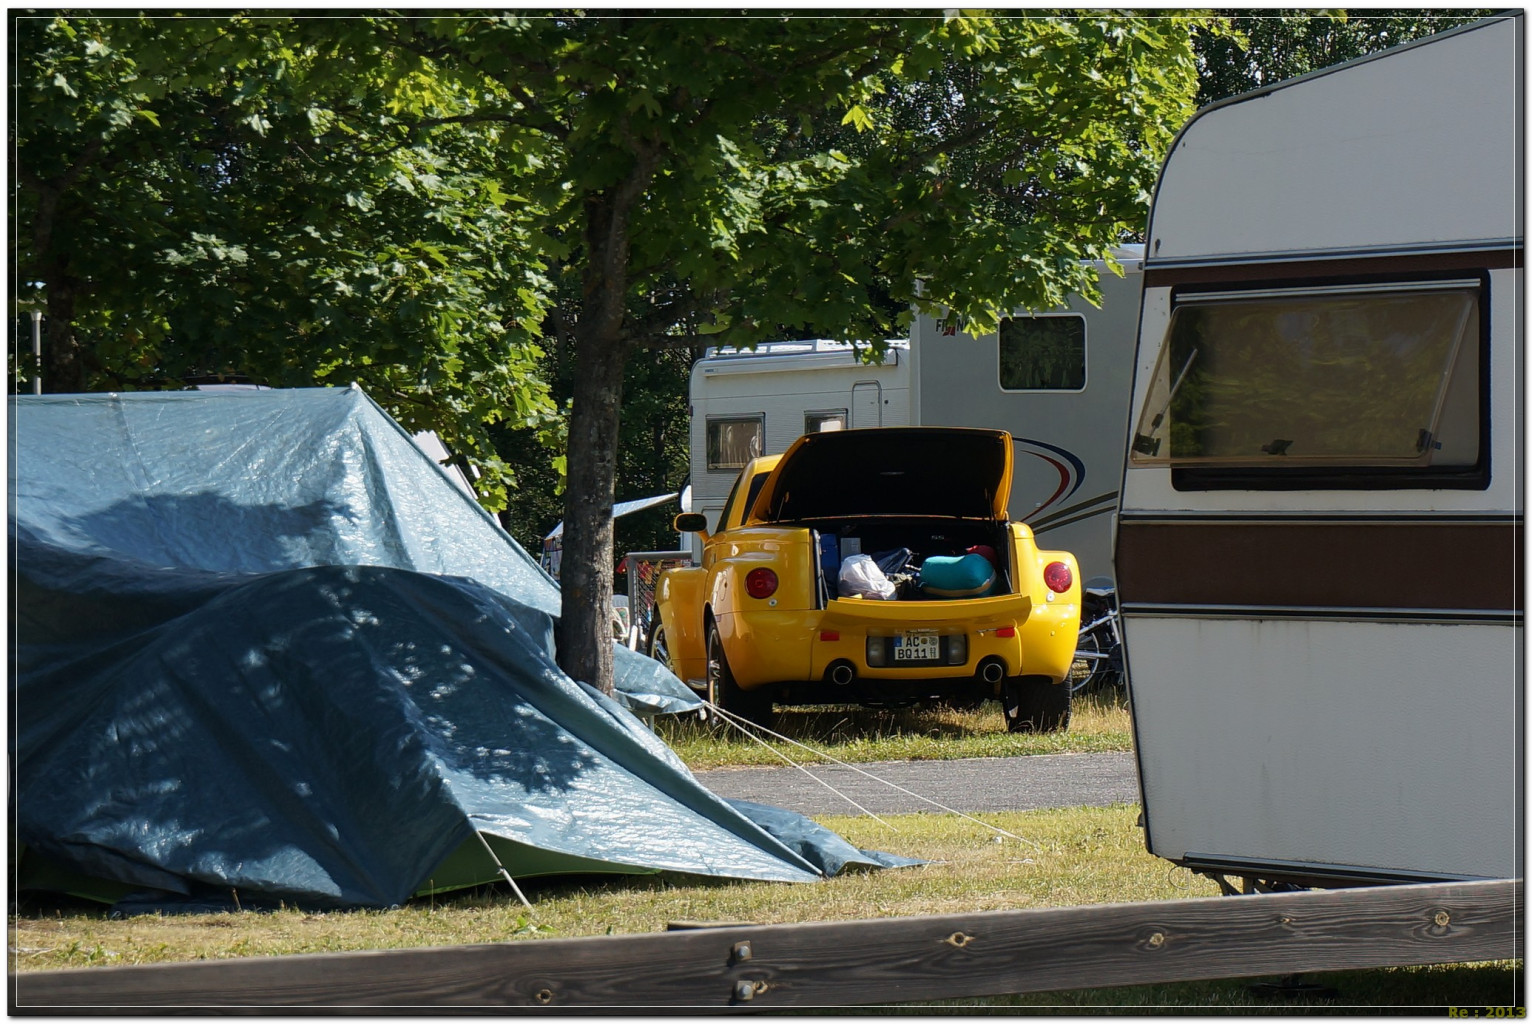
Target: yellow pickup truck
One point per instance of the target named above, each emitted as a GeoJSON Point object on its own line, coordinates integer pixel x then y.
{"type": "Point", "coordinates": [876, 567]}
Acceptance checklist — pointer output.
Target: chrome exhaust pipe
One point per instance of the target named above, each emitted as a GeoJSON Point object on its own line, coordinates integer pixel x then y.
{"type": "Point", "coordinates": [992, 672]}
{"type": "Point", "coordinates": [842, 674]}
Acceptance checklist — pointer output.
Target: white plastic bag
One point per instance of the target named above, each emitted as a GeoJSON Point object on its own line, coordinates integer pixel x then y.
{"type": "Point", "coordinates": [861, 577]}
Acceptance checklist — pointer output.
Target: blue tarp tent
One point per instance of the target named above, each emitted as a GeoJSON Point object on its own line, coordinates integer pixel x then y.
{"type": "Point", "coordinates": [264, 646]}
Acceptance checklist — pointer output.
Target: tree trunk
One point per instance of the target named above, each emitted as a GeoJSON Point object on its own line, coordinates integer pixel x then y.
{"type": "Point", "coordinates": [63, 367]}
{"type": "Point", "coordinates": [585, 634]}
{"type": "Point", "coordinates": [601, 354]}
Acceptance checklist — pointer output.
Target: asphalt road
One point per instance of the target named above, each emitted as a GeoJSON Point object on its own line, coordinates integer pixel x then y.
{"type": "Point", "coordinates": [969, 785]}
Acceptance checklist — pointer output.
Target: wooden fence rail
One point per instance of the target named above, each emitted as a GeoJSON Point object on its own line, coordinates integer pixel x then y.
{"type": "Point", "coordinates": [868, 962]}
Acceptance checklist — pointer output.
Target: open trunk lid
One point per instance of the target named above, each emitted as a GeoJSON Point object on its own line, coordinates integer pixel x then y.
{"type": "Point", "coordinates": [951, 472]}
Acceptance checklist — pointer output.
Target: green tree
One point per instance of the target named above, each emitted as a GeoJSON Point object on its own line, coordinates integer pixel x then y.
{"type": "Point", "coordinates": [397, 200]}
{"type": "Point", "coordinates": [233, 197]}
{"type": "Point", "coordinates": [692, 177]}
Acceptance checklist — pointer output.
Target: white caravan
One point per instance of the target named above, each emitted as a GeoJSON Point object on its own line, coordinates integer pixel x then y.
{"type": "Point", "coordinates": [1320, 534]}
{"type": "Point", "coordinates": [758, 402]}
{"type": "Point", "coordinates": [1059, 382]}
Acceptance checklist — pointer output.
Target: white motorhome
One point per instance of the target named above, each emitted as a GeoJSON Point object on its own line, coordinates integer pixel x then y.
{"type": "Point", "coordinates": [746, 403]}
{"type": "Point", "coordinates": [1059, 382]}
{"type": "Point", "coordinates": [1320, 535]}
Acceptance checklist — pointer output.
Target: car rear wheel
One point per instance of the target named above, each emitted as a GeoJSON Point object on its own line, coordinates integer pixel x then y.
{"type": "Point", "coordinates": [753, 705]}
{"type": "Point", "coordinates": [1035, 704]}
{"type": "Point", "coordinates": [659, 650]}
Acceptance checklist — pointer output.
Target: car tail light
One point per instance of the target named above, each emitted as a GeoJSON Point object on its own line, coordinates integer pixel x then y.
{"type": "Point", "coordinates": [760, 583]}
{"type": "Point", "coordinates": [829, 634]}
{"type": "Point", "coordinates": [1058, 577]}
{"type": "Point", "coordinates": [1006, 632]}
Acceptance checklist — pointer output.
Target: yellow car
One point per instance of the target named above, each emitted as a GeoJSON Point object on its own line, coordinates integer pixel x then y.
{"type": "Point", "coordinates": [877, 567]}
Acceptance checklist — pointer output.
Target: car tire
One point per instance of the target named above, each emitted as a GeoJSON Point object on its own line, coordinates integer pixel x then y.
{"type": "Point", "coordinates": [1035, 704]}
{"type": "Point", "coordinates": [657, 648]}
{"type": "Point", "coordinates": [752, 705]}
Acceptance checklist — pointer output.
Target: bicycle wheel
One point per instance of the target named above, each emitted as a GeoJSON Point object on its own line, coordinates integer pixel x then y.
{"type": "Point", "coordinates": [1109, 673]}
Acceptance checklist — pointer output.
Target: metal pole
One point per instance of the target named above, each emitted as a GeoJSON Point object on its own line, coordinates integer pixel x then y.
{"type": "Point", "coordinates": [37, 352]}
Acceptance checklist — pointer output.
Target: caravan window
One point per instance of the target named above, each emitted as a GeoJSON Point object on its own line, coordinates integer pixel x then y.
{"type": "Point", "coordinates": [818, 422]}
{"type": "Point", "coordinates": [1343, 378]}
{"type": "Point", "coordinates": [734, 441]}
{"type": "Point", "coordinates": [1042, 353]}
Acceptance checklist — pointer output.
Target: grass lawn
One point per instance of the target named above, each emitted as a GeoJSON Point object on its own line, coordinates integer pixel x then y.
{"type": "Point", "coordinates": [1065, 858]}
{"type": "Point", "coordinates": [849, 733]}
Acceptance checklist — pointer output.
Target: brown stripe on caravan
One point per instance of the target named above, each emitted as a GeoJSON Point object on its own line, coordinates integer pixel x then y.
{"type": "Point", "coordinates": [1371, 564]}
{"type": "Point", "coordinates": [1270, 271]}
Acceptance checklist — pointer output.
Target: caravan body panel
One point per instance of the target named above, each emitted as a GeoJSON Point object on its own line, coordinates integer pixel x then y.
{"type": "Point", "coordinates": [1379, 747]}
{"type": "Point", "coordinates": [1370, 156]}
{"type": "Point", "coordinates": [1323, 625]}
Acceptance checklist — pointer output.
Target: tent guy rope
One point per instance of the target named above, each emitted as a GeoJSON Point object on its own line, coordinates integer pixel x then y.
{"type": "Point", "coordinates": [745, 726]}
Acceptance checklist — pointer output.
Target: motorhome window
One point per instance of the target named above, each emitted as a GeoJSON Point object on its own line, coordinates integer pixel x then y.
{"type": "Point", "coordinates": [819, 422]}
{"type": "Point", "coordinates": [734, 441]}
{"type": "Point", "coordinates": [1042, 353]}
{"type": "Point", "coordinates": [1353, 377]}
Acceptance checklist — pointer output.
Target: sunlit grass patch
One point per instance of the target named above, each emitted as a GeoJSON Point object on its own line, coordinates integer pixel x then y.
{"type": "Point", "coordinates": [850, 733]}
{"type": "Point", "coordinates": [1056, 858]}
{"type": "Point", "coordinates": [1051, 858]}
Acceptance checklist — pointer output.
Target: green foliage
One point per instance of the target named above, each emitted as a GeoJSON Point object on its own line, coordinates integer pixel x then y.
{"type": "Point", "coordinates": [237, 198]}
{"type": "Point", "coordinates": [799, 174]}
{"type": "Point", "coordinates": [805, 166]}
{"type": "Point", "coordinates": [397, 200]}
{"type": "Point", "coordinates": [394, 200]}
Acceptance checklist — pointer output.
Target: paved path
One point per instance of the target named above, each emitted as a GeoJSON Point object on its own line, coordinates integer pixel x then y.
{"type": "Point", "coordinates": [969, 785]}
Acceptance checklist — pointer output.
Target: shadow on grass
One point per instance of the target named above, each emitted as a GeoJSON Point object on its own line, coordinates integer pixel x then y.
{"type": "Point", "coordinates": [493, 896]}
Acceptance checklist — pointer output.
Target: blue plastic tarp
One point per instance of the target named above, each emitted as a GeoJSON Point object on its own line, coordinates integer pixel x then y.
{"type": "Point", "coordinates": [264, 646]}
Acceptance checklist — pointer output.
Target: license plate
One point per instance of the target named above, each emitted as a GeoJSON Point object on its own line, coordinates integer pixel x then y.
{"type": "Point", "coordinates": [917, 647]}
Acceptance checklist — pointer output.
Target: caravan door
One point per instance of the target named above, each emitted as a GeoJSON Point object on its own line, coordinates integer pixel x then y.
{"type": "Point", "coordinates": [867, 404]}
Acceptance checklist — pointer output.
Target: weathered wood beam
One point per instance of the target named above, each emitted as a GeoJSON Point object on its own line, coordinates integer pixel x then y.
{"type": "Point", "coordinates": [843, 963]}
